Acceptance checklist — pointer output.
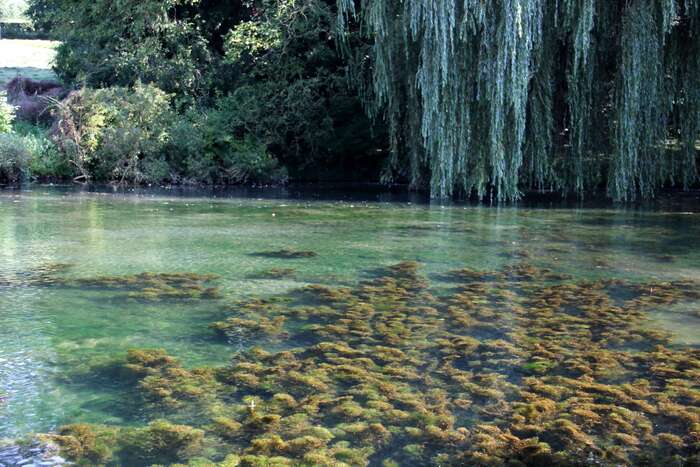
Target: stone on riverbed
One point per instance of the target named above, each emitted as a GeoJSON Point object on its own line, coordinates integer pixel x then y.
{"type": "Point", "coordinates": [34, 454]}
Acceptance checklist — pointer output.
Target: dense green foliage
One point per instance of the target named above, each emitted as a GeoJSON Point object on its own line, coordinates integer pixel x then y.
{"type": "Point", "coordinates": [18, 150]}
{"type": "Point", "coordinates": [255, 73]}
{"type": "Point", "coordinates": [118, 43]}
{"type": "Point", "coordinates": [12, 9]}
{"type": "Point", "coordinates": [503, 95]}
{"type": "Point", "coordinates": [293, 91]}
{"type": "Point", "coordinates": [115, 133]}
{"type": "Point", "coordinates": [13, 157]}
{"type": "Point", "coordinates": [7, 115]}
{"type": "Point", "coordinates": [26, 150]}
{"type": "Point", "coordinates": [132, 134]}
{"type": "Point", "coordinates": [487, 98]}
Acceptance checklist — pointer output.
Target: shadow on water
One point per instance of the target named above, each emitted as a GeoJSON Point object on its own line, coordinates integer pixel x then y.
{"type": "Point", "coordinates": [671, 201]}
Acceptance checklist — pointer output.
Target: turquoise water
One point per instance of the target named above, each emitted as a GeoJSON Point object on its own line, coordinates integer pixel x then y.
{"type": "Point", "coordinates": [48, 333]}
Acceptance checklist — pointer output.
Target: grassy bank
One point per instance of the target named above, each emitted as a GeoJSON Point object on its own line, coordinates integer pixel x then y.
{"type": "Point", "coordinates": [28, 58]}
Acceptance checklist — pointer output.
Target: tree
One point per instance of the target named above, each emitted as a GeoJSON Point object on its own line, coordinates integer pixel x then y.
{"type": "Point", "coordinates": [12, 9]}
{"type": "Point", "coordinates": [492, 97]}
{"type": "Point", "coordinates": [171, 43]}
{"type": "Point", "coordinates": [272, 67]}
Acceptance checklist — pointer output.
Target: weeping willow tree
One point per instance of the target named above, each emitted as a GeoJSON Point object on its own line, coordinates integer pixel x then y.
{"type": "Point", "coordinates": [495, 97]}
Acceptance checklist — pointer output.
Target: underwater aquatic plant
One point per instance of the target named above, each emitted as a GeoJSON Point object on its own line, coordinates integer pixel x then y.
{"type": "Point", "coordinates": [161, 441]}
{"type": "Point", "coordinates": [263, 326]}
{"type": "Point", "coordinates": [275, 273]}
{"type": "Point", "coordinates": [517, 366]}
{"type": "Point", "coordinates": [163, 380]}
{"type": "Point", "coordinates": [144, 286]}
{"type": "Point", "coordinates": [286, 253]}
{"type": "Point", "coordinates": [85, 443]}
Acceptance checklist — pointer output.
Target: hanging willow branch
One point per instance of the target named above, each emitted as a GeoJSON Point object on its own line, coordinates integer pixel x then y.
{"type": "Point", "coordinates": [494, 97]}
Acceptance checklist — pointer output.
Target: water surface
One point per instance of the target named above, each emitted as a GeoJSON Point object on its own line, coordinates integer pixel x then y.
{"type": "Point", "coordinates": [48, 332]}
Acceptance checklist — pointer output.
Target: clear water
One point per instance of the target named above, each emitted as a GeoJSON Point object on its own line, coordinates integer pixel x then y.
{"type": "Point", "coordinates": [46, 332]}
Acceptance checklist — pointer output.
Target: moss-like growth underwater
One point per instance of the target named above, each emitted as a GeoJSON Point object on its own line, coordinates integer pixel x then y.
{"type": "Point", "coordinates": [513, 367]}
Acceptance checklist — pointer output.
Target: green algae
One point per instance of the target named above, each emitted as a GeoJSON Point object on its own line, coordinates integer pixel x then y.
{"type": "Point", "coordinates": [54, 336]}
{"type": "Point", "coordinates": [392, 372]}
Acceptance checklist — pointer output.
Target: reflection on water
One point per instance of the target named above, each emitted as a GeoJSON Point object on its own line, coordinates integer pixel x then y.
{"type": "Point", "coordinates": [263, 247]}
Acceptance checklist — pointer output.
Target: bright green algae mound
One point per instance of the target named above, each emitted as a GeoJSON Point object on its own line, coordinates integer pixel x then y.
{"type": "Point", "coordinates": [518, 366]}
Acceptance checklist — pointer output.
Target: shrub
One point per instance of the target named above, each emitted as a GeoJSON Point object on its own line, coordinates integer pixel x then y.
{"type": "Point", "coordinates": [293, 90]}
{"type": "Point", "coordinates": [164, 42]}
{"type": "Point", "coordinates": [14, 158]}
{"type": "Point", "coordinates": [28, 151]}
{"type": "Point", "coordinates": [132, 135]}
{"type": "Point", "coordinates": [207, 149]}
{"type": "Point", "coordinates": [7, 115]}
{"type": "Point", "coordinates": [46, 161]}
{"type": "Point", "coordinates": [231, 160]}
{"type": "Point", "coordinates": [116, 134]}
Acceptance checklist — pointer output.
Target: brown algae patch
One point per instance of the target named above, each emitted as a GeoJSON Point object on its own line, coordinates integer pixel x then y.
{"type": "Point", "coordinates": [146, 286]}
{"type": "Point", "coordinates": [157, 286]}
{"type": "Point", "coordinates": [275, 273]}
{"type": "Point", "coordinates": [520, 366]}
{"type": "Point", "coordinates": [286, 253]}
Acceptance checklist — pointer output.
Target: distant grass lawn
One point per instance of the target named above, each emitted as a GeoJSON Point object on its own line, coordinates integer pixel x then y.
{"type": "Point", "coordinates": [29, 58]}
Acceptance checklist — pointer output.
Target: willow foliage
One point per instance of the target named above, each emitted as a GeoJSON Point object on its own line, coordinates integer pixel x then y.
{"type": "Point", "coordinates": [494, 97]}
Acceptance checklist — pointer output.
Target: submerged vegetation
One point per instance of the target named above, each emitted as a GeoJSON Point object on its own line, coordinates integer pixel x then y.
{"type": "Point", "coordinates": [287, 253]}
{"type": "Point", "coordinates": [144, 286]}
{"type": "Point", "coordinates": [478, 98]}
{"type": "Point", "coordinates": [518, 366]}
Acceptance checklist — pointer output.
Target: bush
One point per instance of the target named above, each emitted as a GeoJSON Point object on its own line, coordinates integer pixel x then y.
{"type": "Point", "coordinates": [14, 158]}
{"type": "Point", "coordinates": [206, 149]}
{"type": "Point", "coordinates": [116, 134]}
{"type": "Point", "coordinates": [229, 160]}
{"type": "Point", "coordinates": [132, 135]}
{"type": "Point", "coordinates": [293, 90]}
{"type": "Point", "coordinates": [164, 42]}
{"type": "Point", "coordinates": [7, 115]}
{"type": "Point", "coordinates": [29, 152]}
{"type": "Point", "coordinates": [46, 161]}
